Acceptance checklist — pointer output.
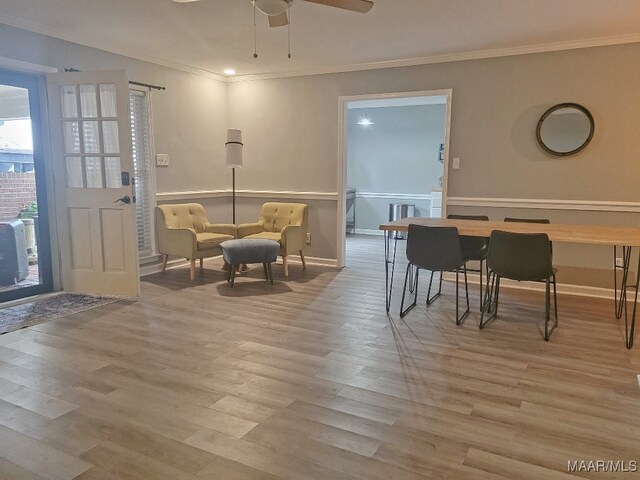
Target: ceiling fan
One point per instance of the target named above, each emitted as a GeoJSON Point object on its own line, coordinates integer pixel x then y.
{"type": "Point", "coordinates": [276, 10]}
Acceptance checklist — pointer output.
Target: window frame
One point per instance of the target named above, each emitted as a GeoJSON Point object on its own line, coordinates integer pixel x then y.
{"type": "Point", "coordinates": [144, 259]}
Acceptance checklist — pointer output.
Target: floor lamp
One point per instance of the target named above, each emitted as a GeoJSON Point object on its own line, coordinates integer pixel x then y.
{"type": "Point", "coordinates": [234, 160]}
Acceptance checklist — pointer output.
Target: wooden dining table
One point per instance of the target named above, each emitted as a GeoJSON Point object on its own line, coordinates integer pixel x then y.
{"type": "Point", "coordinates": [624, 238]}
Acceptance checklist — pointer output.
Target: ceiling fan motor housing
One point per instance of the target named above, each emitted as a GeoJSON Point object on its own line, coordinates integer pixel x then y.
{"type": "Point", "coordinates": [272, 7]}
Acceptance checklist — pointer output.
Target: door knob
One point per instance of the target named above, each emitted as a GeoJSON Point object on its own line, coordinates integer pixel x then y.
{"type": "Point", "coordinates": [126, 200]}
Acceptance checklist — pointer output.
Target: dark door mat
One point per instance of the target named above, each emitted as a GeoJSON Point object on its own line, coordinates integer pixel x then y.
{"type": "Point", "coordinates": [49, 308]}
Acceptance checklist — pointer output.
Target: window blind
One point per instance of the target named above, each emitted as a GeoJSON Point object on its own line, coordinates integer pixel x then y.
{"type": "Point", "coordinates": [143, 173]}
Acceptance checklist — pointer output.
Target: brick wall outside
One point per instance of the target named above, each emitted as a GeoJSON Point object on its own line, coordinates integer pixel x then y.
{"type": "Point", "coordinates": [16, 191]}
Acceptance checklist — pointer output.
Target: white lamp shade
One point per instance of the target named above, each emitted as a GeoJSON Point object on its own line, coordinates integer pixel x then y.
{"type": "Point", "coordinates": [272, 7]}
{"type": "Point", "coordinates": [234, 148]}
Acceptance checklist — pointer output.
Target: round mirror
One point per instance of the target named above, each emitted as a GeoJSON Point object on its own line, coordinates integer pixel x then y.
{"type": "Point", "coordinates": [565, 129]}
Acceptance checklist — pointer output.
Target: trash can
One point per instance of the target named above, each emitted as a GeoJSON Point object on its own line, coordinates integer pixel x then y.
{"type": "Point", "coordinates": [398, 211]}
{"type": "Point", "coordinates": [14, 265]}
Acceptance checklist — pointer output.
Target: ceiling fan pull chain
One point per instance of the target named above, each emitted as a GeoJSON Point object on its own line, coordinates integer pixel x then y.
{"type": "Point", "coordinates": [289, 32]}
{"type": "Point", "coordinates": [255, 35]}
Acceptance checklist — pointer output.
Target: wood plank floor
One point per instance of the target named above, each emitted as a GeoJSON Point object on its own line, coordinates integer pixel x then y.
{"type": "Point", "coordinates": [310, 379]}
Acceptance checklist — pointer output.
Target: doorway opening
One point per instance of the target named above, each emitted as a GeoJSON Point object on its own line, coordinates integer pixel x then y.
{"type": "Point", "coordinates": [25, 259]}
{"type": "Point", "coordinates": [394, 163]}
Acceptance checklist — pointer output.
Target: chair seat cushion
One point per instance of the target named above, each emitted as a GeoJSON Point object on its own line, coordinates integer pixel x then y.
{"type": "Point", "coordinates": [208, 240]}
{"type": "Point", "coordinates": [250, 250]}
{"type": "Point", "coordinates": [274, 236]}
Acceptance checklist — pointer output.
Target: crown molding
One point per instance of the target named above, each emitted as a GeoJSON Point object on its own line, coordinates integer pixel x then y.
{"type": "Point", "coordinates": [444, 58]}
{"type": "Point", "coordinates": [13, 21]}
{"type": "Point", "coordinates": [452, 57]}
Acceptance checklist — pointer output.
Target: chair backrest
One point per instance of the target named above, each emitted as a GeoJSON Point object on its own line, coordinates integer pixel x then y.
{"type": "Point", "coordinates": [434, 248]}
{"type": "Point", "coordinates": [473, 248]}
{"type": "Point", "coordinates": [520, 256]}
{"type": "Point", "coordinates": [468, 217]}
{"type": "Point", "coordinates": [275, 216]}
{"type": "Point", "coordinates": [182, 215]}
{"type": "Point", "coordinates": [528, 220]}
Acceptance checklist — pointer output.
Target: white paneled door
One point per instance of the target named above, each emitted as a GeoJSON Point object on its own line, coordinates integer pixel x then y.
{"type": "Point", "coordinates": [92, 167]}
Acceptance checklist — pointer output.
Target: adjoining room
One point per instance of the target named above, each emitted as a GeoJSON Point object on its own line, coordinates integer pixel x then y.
{"type": "Point", "coordinates": [395, 156]}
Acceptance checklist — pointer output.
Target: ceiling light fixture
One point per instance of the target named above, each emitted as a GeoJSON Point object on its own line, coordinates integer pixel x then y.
{"type": "Point", "coordinates": [279, 15]}
{"type": "Point", "coordinates": [229, 71]}
{"type": "Point", "coordinates": [278, 12]}
{"type": "Point", "coordinates": [365, 122]}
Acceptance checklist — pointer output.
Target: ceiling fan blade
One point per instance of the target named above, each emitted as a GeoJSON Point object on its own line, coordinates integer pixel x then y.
{"type": "Point", "coordinates": [279, 20]}
{"type": "Point", "coordinates": [360, 6]}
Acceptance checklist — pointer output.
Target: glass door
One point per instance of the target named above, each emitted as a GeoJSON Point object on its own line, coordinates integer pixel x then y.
{"type": "Point", "coordinates": [25, 259]}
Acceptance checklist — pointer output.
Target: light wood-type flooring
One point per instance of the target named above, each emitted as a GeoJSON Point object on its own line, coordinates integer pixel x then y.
{"type": "Point", "coordinates": [309, 379]}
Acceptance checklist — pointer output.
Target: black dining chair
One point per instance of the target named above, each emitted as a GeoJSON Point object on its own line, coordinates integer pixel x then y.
{"type": "Point", "coordinates": [528, 220]}
{"type": "Point", "coordinates": [474, 248]}
{"type": "Point", "coordinates": [522, 257]}
{"type": "Point", "coordinates": [436, 249]}
{"type": "Point", "coordinates": [544, 221]}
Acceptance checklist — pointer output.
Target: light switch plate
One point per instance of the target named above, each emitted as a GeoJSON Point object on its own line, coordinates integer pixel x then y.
{"type": "Point", "coordinates": [456, 163]}
{"type": "Point", "coordinates": [162, 160]}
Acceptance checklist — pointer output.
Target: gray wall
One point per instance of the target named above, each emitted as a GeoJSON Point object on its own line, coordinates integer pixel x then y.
{"type": "Point", "coordinates": [292, 122]}
{"type": "Point", "coordinates": [495, 107]}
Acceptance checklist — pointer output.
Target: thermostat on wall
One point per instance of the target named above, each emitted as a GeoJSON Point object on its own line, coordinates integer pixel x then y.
{"type": "Point", "coordinates": [162, 160]}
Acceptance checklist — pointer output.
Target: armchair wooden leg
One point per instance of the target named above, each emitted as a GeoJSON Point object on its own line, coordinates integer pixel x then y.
{"type": "Point", "coordinates": [201, 263]}
{"type": "Point", "coordinates": [285, 264]}
{"type": "Point", "coordinates": [193, 269]}
{"type": "Point", "coordinates": [164, 262]}
{"type": "Point", "coordinates": [304, 263]}
{"type": "Point", "coordinates": [232, 275]}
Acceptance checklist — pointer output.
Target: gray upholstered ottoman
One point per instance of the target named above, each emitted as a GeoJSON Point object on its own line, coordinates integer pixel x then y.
{"type": "Point", "coordinates": [249, 250]}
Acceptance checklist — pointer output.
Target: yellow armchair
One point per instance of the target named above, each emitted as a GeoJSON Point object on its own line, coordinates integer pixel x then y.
{"type": "Point", "coordinates": [183, 230]}
{"type": "Point", "coordinates": [286, 223]}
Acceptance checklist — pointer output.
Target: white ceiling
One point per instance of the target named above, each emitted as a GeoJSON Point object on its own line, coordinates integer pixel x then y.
{"type": "Point", "coordinates": [212, 35]}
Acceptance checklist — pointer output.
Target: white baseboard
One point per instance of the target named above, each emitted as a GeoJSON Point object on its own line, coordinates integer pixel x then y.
{"type": "Point", "coordinates": [151, 268]}
{"type": "Point", "coordinates": [324, 262]}
{"type": "Point", "coordinates": [364, 231]}
{"type": "Point", "coordinates": [564, 289]}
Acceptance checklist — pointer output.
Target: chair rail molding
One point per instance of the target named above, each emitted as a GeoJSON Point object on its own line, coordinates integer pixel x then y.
{"type": "Point", "coordinates": [289, 194]}
{"type": "Point", "coordinates": [546, 204]}
{"type": "Point", "coordinates": [397, 196]}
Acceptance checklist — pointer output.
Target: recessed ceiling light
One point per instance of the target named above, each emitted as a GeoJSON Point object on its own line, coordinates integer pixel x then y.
{"type": "Point", "coordinates": [229, 71]}
{"type": "Point", "coordinates": [365, 122]}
